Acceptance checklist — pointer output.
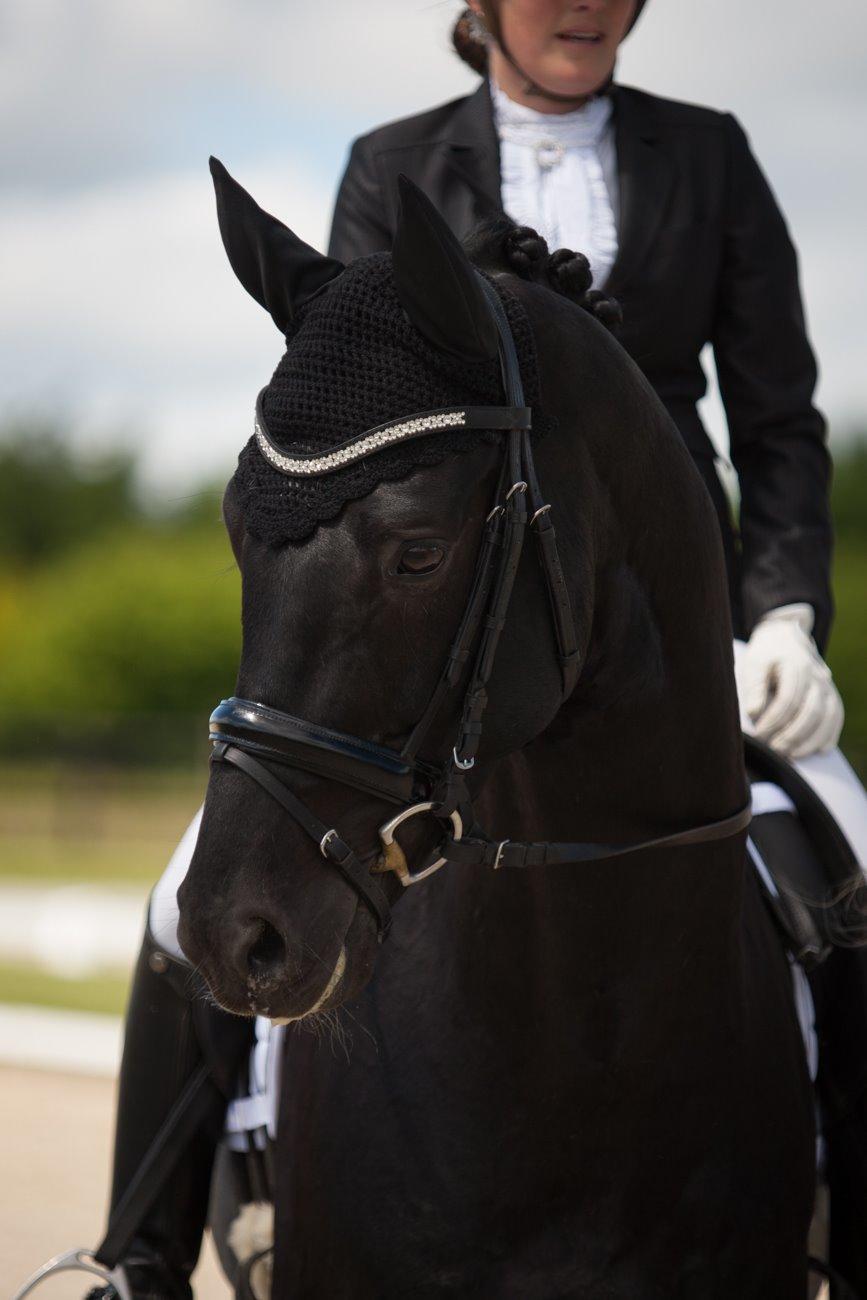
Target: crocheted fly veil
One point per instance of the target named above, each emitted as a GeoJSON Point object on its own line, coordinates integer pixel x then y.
{"type": "Point", "coordinates": [353, 361]}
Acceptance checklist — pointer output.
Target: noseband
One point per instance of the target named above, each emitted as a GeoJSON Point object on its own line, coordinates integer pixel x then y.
{"type": "Point", "coordinates": [253, 737]}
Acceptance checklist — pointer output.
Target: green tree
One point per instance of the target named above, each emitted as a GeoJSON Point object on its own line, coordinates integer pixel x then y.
{"type": "Point", "coordinates": [849, 492]}
{"type": "Point", "coordinates": [51, 500]}
{"type": "Point", "coordinates": [143, 620]}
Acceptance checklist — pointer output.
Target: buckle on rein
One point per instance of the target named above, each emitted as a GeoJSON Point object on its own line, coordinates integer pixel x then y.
{"type": "Point", "coordinates": [393, 857]}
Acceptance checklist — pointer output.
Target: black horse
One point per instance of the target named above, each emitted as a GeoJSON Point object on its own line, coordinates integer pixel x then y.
{"type": "Point", "coordinates": [575, 1080]}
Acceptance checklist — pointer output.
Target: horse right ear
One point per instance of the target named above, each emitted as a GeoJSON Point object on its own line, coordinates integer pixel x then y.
{"type": "Point", "coordinates": [435, 281]}
{"type": "Point", "coordinates": [273, 264]}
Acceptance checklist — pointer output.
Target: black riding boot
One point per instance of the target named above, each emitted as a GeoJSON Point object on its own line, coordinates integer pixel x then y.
{"type": "Point", "coordinates": [171, 1031]}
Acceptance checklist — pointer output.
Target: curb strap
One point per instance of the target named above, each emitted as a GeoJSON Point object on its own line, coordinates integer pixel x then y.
{"type": "Point", "coordinates": [331, 846]}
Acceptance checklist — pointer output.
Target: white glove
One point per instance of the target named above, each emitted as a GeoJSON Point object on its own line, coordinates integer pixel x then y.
{"type": "Point", "coordinates": [785, 686]}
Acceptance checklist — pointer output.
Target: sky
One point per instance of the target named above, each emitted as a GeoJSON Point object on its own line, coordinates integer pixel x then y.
{"type": "Point", "coordinates": [119, 315]}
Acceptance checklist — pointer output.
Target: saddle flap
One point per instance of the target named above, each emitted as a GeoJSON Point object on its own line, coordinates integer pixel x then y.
{"type": "Point", "coordinates": [817, 890]}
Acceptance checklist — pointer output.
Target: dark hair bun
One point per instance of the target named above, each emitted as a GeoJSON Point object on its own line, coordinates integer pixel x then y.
{"type": "Point", "coordinates": [467, 44]}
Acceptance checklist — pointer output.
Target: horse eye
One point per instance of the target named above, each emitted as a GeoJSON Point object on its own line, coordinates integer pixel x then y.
{"type": "Point", "coordinates": [423, 557]}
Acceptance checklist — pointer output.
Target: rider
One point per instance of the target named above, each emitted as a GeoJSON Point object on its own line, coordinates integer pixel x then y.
{"type": "Point", "coordinates": [679, 224]}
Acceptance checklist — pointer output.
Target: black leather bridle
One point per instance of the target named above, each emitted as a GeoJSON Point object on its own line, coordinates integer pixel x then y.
{"type": "Point", "coordinates": [253, 737]}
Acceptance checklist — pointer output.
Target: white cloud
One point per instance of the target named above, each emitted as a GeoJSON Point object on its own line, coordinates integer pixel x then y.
{"type": "Point", "coordinates": [117, 300]}
{"type": "Point", "coordinates": [100, 87]}
{"type": "Point", "coordinates": [100, 83]}
{"type": "Point", "coordinates": [120, 306]}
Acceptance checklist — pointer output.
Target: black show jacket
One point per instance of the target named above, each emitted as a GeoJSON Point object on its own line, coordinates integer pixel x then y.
{"type": "Point", "coordinates": [704, 255]}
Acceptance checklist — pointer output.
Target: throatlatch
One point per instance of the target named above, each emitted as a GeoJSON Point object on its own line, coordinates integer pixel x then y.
{"type": "Point", "coordinates": [252, 736]}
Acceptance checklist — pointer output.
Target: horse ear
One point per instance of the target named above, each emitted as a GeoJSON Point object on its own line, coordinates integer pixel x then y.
{"type": "Point", "coordinates": [273, 264]}
{"type": "Point", "coordinates": [437, 286]}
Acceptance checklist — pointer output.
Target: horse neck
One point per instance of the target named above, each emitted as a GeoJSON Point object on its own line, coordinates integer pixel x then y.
{"type": "Point", "coordinates": [648, 744]}
{"type": "Point", "coordinates": [650, 741]}
{"type": "Point", "coordinates": [554, 938]}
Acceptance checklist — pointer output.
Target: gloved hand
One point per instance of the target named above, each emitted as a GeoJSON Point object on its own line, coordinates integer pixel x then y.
{"type": "Point", "coordinates": [785, 686]}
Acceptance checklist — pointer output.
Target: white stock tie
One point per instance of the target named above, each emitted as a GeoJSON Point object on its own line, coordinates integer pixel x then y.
{"type": "Point", "coordinates": [552, 175]}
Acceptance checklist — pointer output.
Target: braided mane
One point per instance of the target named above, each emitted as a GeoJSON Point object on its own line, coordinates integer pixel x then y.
{"type": "Point", "coordinates": [498, 245]}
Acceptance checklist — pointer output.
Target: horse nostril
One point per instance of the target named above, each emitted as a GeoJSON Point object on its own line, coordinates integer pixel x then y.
{"type": "Point", "coordinates": [266, 956]}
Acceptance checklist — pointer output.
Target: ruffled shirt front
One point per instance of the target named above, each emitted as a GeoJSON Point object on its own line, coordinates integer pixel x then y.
{"type": "Point", "coordinates": [559, 175]}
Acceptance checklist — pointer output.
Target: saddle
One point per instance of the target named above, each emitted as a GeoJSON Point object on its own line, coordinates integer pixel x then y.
{"type": "Point", "coordinates": [811, 878]}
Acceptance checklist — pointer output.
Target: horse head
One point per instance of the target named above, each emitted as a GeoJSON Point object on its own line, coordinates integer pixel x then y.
{"type": "Point", "coordinates": [348, 623]}
{"type": "Point", "coordinates": [373, 517]}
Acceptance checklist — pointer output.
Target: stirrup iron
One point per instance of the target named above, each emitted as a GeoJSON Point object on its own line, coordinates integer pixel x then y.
{"type": "Point", "coordinates": [76, 1261]}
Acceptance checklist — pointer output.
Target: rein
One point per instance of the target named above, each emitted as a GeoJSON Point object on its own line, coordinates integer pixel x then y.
{"type": "Point", "coordinates": [252, 736]}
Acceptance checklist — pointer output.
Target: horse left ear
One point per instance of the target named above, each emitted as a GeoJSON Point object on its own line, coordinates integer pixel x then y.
{"type": "Point", "coordinates": [273, 264]}
{"type": "Point", "coordinates": [436, 283]}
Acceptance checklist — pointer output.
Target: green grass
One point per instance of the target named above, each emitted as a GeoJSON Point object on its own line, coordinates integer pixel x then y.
{"type": "Point", "coordinates": [34, 859]}
{"type": "Point", "coordinates": [104, 993]}
{"type": "Point", "coordinates": [848, 649]}
{"type": "Point", "coordinates": [68, 824]}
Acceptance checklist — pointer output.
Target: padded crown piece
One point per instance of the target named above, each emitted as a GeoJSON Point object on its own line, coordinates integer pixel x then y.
{"type": "Point", "coordinates": [354, 361]}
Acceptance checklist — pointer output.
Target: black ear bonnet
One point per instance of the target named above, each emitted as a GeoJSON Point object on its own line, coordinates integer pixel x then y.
{"type": "Point", "coordinates": [354, 361]}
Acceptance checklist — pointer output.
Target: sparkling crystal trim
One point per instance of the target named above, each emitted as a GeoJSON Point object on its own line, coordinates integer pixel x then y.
{"type": "Point", "coordinates": [401, 431]}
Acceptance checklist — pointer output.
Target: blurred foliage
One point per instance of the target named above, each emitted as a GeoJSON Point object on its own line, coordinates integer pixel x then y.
{"type": "Point", "coordinates": [104, 992]}
{"type": "Point", "coordinates": [71, 819]}
{"type": "Point", "coordinates": [107, 611]}
{"type": "Point", "coordinates": [144, 619]}
{"type": "Point", "coordinates": [51, 501]}
{"type": "Point", "coordinates": [846, 653]}
{"type": "Point", "coordinates": [849, 493]}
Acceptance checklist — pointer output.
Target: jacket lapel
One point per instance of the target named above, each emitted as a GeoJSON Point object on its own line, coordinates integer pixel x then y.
{"type": "Point", "coordinates": [646, 177]}
{"type": "Point", "coordinates": [467, 188]}
{"type": "Point", "coordinates": [473, 161]}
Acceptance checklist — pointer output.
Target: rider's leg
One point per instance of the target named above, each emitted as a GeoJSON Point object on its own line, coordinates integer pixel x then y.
{"type": "Point", "coordinates": [839, 993]}
{"type": "Point", "coordinates": [171, 1028]}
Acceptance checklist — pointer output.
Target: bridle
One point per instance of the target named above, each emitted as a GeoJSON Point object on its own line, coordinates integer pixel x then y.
{"type": "Point", "coordinates": [253, 737]}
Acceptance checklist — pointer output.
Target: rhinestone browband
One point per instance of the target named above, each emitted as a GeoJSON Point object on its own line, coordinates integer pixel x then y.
{"type": "Point", "coordinates": [305, 464]}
